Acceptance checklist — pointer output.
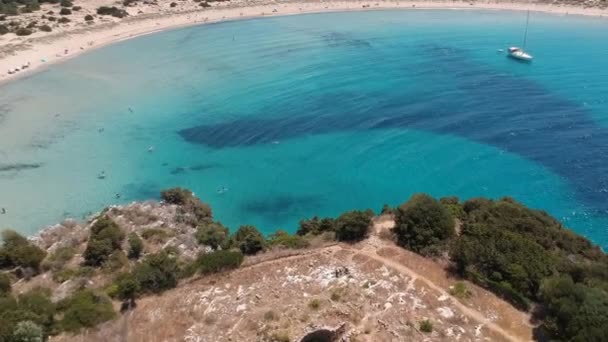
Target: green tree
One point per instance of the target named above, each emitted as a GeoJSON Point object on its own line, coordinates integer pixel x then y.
{"type": "Point", "coordinates": [212, 234]}
{"type": "Point", "coordinates": [423, 225]}
{"type": "Point", "coordinates": [157, 272]}
{"type": "Point", "coordinates": [136, 246]}
{"type": "Point", "coordinates": [353, 225]}
{"type": "Point", "coordinates": [127, 286]}
{"type": "Point", "coordinates": [16, 250]}
{"type": "Point", "coordinates": [105, 237]}
{"type": "Point", "coordinates": [249, 240]}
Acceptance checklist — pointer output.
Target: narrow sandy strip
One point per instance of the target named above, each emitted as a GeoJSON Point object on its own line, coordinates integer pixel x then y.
{"type": "Point", "coordinates": [42, 51]}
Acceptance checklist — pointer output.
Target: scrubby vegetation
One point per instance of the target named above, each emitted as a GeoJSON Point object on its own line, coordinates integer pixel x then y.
{"type": "Point", "coordinates": [523, 255]}
{"type": "Point", "coordinates": [353, 225]}
{"type": "Point", "coordinates": [106, 237]}
{"type": "Point", "coordinates": [423, 225]}
{"type": "Point", "coordinates": [249, 240]}
{"type": "Point", "coordinates": [17, 251]}
{"type": "Point", "coordinates": [113, 11]}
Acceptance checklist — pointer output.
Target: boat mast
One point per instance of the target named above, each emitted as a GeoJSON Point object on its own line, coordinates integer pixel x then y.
{"type": "Point", "coordinates": [526, 31]}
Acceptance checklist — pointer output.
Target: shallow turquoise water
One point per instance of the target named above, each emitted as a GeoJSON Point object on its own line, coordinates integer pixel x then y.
{"type": "Point", "coordinates": [316, 114]}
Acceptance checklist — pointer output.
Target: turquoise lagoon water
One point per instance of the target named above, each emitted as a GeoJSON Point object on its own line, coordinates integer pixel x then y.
{"type": "Point", "coordinates": [316, 114]}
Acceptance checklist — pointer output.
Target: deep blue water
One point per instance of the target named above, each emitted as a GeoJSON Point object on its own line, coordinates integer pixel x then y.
{"type": "Point", "coordinates": [316, 114]}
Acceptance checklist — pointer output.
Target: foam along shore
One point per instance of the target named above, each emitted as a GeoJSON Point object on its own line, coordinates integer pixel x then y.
{"type": "Point", "coordinates": [20, 56]}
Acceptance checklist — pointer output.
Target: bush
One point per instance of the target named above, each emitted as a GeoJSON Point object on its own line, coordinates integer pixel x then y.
{"type": "Point", "coordinates": [283, 239]}
{"type": "Point", "coordinates": [4, 30]}
{"type": "Point", "coordinates": [63, 20]}
{"type": "Point", "coordinates": [17, 251]}
{"type": "Point", "coordinates": [22, 31]}
{"type": "Point", "coordinates": [105, 237]}
{"type": "Point", "coordinates": [423, 225]}
{"type": "Point", "coordinates": [426, 326]}
{"type": "Point", "coordinates": [127, 286]}
{"type": "Point", "coordinates": [113, 11]}
{"type": "Point", "coordinates": [249, 240]}
{"type": "Point", "coordinates": [136, 246]}
{"type": "Point", "coordinates": [204, 4]}
{"type": "Point", "coordinates": [212, 234]}
{"type": "Point", "coordinates": [188, 205]}
{"type": "Point", "coordinates": [66, 3]}
{"type": "Point", "coordinates": [316, 226]}
{"type": "Point", "coordinates": [52, 19]}
{"type": "Point", "coordinates": [157, 272]}
{"type": "Point", "coordinates": [45, 28]}
{"type": "Point", "coordinates": [84, 309]}
{"type": "Point", "coordinates": [65, 11]}
{"type": "Point", "coordinates": [88, 17]}
{"type": "Point", "coordinates": [460, 290]}
{"type": "Point", "coordinates": [178, 196]}
{"type": "Point", "coordinates": [5, 284]}
{"type": "Point", "coordinates": [58, 259]}
{"type": "Point", "coordinates": [173, 4]}
{"type": "Point", "coordinates": [76, 8]}
{"type": "Point", "coordinates": [116, 261]}
{"type": "Point", "coordinates": [157, 234]}
{"type": "Point", "coordinates": [353, 225]}
{"type": "Point", "coordinates": [27, 331]}
{"type": "Point", "coordinates": [219, 261]}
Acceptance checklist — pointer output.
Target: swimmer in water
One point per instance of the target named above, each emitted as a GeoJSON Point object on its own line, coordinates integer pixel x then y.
{"type": "Point", "coordinates": [151, 149]}
{"type": "Point", "coordinates": [117, 195]}
{"type": "Point", "coordinates": [130, 110]}
{"type": "Point", "coordinates": [3, 211]}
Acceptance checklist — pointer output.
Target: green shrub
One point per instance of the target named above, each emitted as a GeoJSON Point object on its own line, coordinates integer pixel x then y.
{"type": "Point", "coordinates": [423, 225]}
{"type": "Point", "coordinates": [3, 30]}
{"type": "Point", "coordinates": [66, 3]}
{"type": "Point", "coordinates": [113, 11]}
{"type": "Point", "coordinates": [63, 20]}
{"type": "Point", "coordinates": [5, 284]}
{"type": "Point", "coordinates": [353, 225]}
{"type": "Point", "coordinates": [249, 240]}
{"type": "Point", "coordinates": [178, 196]}
{"type": "Point", "coordinates": [136, 246]}
{"type": "Point", "coordinates": [283, 239]}
{"type": "Point", "coordinates": [156, 234]}
{"type": "Point", "coordinates": [271, 316]}
{"type": "Point", "coordinates": [204, 4]}
{"type": "Point", "coordinates": [65, 11]}
{"type": "Point", "coordinates": [76, 8]}
{"type": "Point", "coordinates": [84, 309]}
{"type": "Point", "coordinates": [453, 205]}
{"type": "Point", "coordinates": [58, 258]}
{"type": "Point", "coordinates": [127, 286]}
{"type": "Point", "coordinates": [426, 326]}
{"type": "Point", "coordinates": [27, 331]}
{"type": "Point", "coordinates": [157, 272]}
{"type": "Point", "coordinates": [116, 262]}
{"type": "Point", "coordinates": [188, 205]}
{"type": "Point", "coordinates": [18, 251]}
{"type": "Point", "coordinates": [316, 226]}
{"type": "Point", "coordinates": [88, 17]}
{"type": "Point", "coordinates": [460, 290]}
{"type": "Point", "coordinates": [45, 28]}
{"type": "Point", "coordinates": [212, 234]}
{"type": "Point", "coordinates": [219, 261]}
{"type": "Point", "coordinates": [106, 237]}
{"type": "Point", "coordinates": [386, 210]}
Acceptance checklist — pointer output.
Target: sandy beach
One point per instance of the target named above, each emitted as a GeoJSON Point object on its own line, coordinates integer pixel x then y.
{"type": "Point", "coordinates": [67, 41]}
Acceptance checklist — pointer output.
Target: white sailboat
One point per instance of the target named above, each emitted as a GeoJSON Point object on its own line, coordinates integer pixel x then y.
{"type": "Point", "coordinates": [519, 53]}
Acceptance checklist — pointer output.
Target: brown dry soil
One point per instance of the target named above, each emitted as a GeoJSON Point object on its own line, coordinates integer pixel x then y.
{"type": "Point", "coordinates": [380, 292]}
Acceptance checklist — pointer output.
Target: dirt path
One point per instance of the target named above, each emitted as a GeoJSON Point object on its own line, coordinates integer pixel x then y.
{"type": "Point", "coordinates": [370, 251]}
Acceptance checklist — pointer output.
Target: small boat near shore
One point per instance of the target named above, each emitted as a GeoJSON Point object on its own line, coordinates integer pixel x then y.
{"type": "Point", "coordinates": [519, 53]}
